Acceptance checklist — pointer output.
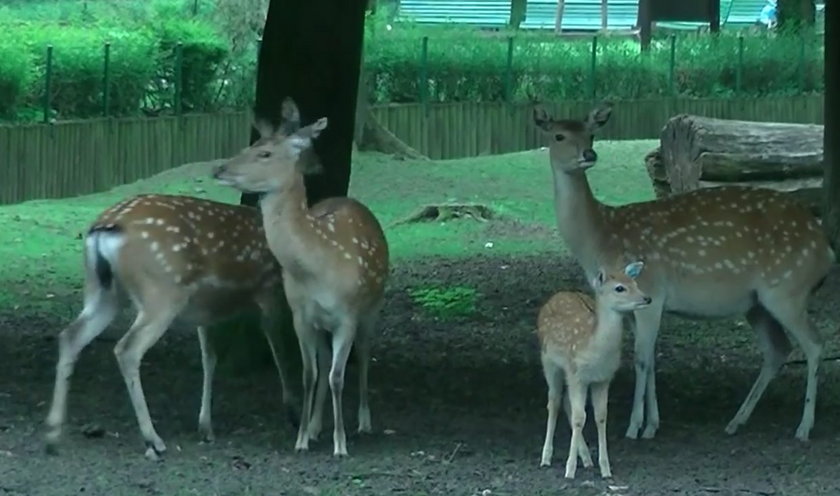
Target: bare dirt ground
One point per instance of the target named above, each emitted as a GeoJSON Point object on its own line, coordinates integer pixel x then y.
{"type": "Point", "coordinates": [458, 409]}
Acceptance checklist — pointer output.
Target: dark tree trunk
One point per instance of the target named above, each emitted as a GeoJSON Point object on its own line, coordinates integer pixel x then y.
{"type": "Point", "coordinates": [796, 14]}
{"type": "Point", "coordinates": [831, 183]}
{"type": "Point", "coordinates": [518, 10]}
{"type": "Point", "coordinates": [312, 52]}
{"type": "Point", "coordinates": [645, 20]}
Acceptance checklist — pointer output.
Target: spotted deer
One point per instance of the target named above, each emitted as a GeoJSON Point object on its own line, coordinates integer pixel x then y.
{"type": "Point", "coordinates": [714, 253]}
{"type": "Point", "coordinates": [335, 264]}
{"type": "Point", "coordinates": [175, 257]}
{"type": "Point", "coordinates": [580, 340]}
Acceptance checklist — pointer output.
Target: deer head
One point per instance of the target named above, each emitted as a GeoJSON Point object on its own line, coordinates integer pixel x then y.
{"type": "Point", "coordinates": [570, 147]}
{"type": "Point", "coordinates": [619, 289]}
{"type": "Point", "coordinates": [273, 161]}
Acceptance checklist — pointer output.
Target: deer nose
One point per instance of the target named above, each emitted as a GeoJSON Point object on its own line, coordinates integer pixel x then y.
{"type": "Point", "coordinates": [647, 300]}
{"type": "Point", "coordinates": [590, 155]}
{"type": "Point", "coordinates": [218, 170]}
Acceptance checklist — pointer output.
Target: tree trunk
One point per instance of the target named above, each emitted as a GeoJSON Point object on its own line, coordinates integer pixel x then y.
{"type": "Point", "coordinates": [831, 190]}
{"type": "Point", "coordinates": [518, 10]}
{"type": "Point", "coordinates": [645, 21]}
{"type": "Point", "coordinates": [558, 18]}
{"type": "Point", "coordinates": [796, 14]}
{"type": "Point", "coordinates": [311, 51]}
{"type": "Point", "coordinates": [699, 148]}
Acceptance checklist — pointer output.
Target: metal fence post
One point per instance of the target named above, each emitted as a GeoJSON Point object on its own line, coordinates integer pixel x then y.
{"type": "Point", "coordinates": [106, 79]}
{"type": "Point", "coordinates": [179, 62]}
{"type": "Point", "coordinates": [672, 74]}
{"type": "Point", "coordinates": [424, 74]}
{"type": "Point", "coordinates": [48, 83]}
{"type": "Point", "coordinates": [509, 71]}
{"type": "Point", "coordinates": [592, 79]}
{"type": "Point", "coordinates": [739, 72]}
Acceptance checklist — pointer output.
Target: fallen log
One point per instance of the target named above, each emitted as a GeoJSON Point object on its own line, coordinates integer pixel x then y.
{"type": "Point", "coordinates": [695, 149]}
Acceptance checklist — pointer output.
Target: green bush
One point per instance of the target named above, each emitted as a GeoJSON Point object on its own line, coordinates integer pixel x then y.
{"type": "Point", "coordinates": [203, 51]}
{"type": "Point", "coordinates": [16, 75]}
{"type": "Point", "coordinates": [77, 76]}
{"type": "Point", "coordinates": [466, 66]}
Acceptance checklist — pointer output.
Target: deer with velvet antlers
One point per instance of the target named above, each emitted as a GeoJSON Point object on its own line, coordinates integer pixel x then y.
{"type": "Point", "coordinates": [712, 253]}
{"type": "Point", "coordinates": [335, 264]}
{"type": "Point", "coordinates": [175, 257]}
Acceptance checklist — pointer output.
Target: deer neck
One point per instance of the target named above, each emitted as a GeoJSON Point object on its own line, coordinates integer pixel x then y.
{"type": "Point", "coordinates": [580, 217]}
{"type": "Point", "coordinates": [608, 324]}
{"type": "Point", "coordinates": [290, 229]}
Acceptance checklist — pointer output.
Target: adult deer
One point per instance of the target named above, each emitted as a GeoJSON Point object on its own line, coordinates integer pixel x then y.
{"type": "Point", "coordinates": [175, 257]}
{"type": "Point", "coordinates": [713, 253]}
{"type": "Point", "coordinates": [335, 264]}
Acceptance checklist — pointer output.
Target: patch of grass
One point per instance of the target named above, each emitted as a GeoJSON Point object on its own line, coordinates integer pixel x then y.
{"type": "Point", "coordinates": [43, 237]}
{"type": "Point", "coordinates": [446, 301]}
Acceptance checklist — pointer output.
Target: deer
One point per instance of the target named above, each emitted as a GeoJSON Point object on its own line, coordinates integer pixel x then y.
{"type": "Point", "coordinates": [714, 252]}
{"type": "Point", "coordinates": [334, 257]}
{"type": "Point", "coordinates": [580, 340]}
{"type": "Point", "coordinates": [197, 261]}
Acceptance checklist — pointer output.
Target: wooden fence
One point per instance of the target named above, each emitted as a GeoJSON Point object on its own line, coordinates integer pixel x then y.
{"type": "Point", "coordinates": [456, 130]}
{"type": "Point", "coordinates": [79, 157]}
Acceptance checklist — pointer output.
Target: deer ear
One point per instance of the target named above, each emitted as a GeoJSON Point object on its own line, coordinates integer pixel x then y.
{"type": "Point", "coordinates": [318, 126]}
{"type": "Point", "coordinates": [302, 139]}
{"type": "Point", "coordinates": [264, 127]}
{"type": "Point", "coordinates": [541, 118]}
{"type": "Point", "coordinates": [634, 269]}
{"type": "Point", "coordinates": [599, 279]}
{"type": "Point", "coordinates": [599, 116]}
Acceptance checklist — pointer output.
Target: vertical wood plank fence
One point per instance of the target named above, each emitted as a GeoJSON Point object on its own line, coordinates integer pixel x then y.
{"type": "Point", "coordinates": [79, 157]}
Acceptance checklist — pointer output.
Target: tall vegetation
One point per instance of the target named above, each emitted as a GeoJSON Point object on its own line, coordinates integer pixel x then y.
{"type": "Point", "coordinates": [216, 60]}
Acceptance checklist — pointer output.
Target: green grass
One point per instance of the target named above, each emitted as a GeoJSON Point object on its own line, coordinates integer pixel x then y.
{"type": "Point", "coordinates": [43, 238]}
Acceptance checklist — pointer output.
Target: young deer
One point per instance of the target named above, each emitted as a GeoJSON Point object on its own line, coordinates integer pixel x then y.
{"type": "Point", "coordinates": [581, 340]}
{"type": "Point", "coordinates": [196, 260]}
{"type": "Point", "coordinates": [716, 252]}
{"type": "Point", "coordinates": [335, 264]}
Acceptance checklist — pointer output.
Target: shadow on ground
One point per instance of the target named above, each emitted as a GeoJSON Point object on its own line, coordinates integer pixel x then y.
{"type": "Point", "coordinates": [458, 409]}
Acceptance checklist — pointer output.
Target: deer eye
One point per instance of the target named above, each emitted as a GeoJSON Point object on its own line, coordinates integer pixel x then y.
{"type": "Point", "coordinates": [620, 289]}
{"type": "Point", "coordinates": [264, 154]}
{"type": "Point", "coordinates": [559, 137]}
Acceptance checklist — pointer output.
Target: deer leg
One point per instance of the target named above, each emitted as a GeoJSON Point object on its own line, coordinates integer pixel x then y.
{"type": "Point", "coordinates": [307, 337]}
{"type": "Point", "coordinates": [152, 321]}
{"type": "Point", "coordinates": [208, 366]}
{"type": "Point", "coordinates": [600, 395]}
{"type": "Point", "coordinates": [324, 362]}
{"type": "Point", "coordinates": [553, 377]}
{"type": "Point", "coordinates": [775, 348]}
{"type": "Point", "coordinates": [791, 312]}
{"type": "Point", "coordinates": [583, 448]}
{"type": "Point", "coordinates": [577, 398]}
{"type": "Point", "coordinates": [647, 323]}
{"type": "Point", "coordinates": [100, 309]}
{"type": "Point", "coordinates": [362, 347]}
{"type": "Point", "coordinates": [342, 343]}
{"type": "Point", "coordinates": [269, 328]}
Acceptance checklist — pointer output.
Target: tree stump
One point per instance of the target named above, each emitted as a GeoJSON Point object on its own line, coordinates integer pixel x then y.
{"type": "Point", "coordinates": [700, 152]}
{"type": "Point", "coordinates": [658, 176]}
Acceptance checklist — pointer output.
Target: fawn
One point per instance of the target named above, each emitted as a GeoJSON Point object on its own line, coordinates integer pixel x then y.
{"type": "Point", "coordinates": [581, 341]}
{"type": "Point", "coordinates": [335, 264]}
